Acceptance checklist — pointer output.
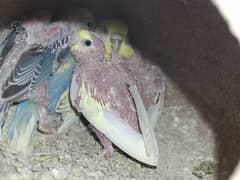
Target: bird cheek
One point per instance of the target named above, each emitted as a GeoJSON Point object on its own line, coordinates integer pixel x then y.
{"type": "Point", "coordinates": [92, 51]}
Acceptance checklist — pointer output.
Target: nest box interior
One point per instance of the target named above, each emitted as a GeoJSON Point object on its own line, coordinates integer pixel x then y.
{"type": "Point", "coordinates": [191, 42]}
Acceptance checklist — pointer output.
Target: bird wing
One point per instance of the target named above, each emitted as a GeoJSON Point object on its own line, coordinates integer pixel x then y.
{"type": "Point", "coordinates": [33, 67]}
{"type": "Point", "coordinates": [144, 123]}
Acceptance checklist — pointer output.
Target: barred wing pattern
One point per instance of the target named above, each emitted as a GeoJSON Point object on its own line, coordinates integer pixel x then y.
{"type": "Point", "coordinates": [33, 68]}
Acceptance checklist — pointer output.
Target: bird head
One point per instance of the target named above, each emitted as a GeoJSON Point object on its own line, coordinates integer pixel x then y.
{"type": "Point", "coordinates": [115, 34]}
{"type": "Point", "coordinates": [87, 46]}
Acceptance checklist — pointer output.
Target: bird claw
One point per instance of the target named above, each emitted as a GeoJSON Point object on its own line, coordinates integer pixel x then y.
{"type": "Point", "coordinates": [69, 118]}
{"type": "Point", "coordinates": [44, 128]}
{"type": "Point", "coordinates": [107, 145]}
{"type": "Point", "coordinates": [108, 152]}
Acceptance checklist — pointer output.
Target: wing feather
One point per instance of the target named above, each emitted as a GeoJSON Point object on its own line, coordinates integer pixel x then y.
{"type": "Point", "coordinates": [33, 67]}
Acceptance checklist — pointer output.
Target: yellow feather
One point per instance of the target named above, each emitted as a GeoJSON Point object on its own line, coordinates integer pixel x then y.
{"type": "Point", "coordinates": [92, 107]}
{"type": "Point", "coordinates": [64, 103]}
{"type": "Point", "coordinates": [126, 50]}
{"type": "Point", "coordinates": [113, 26]}
{"type": "Point", "coordinates": [82, 34]}
{"type": "Point", "coordinates": [121, 28]}
{"type": "Point", "coordinates": [75, 47]}
{"type": "Point", "coordinates": [108, 50]}
{"type": "Point", "coordinates": [116, 26]}
{"type": "Point", "coordinates": [64, 67]}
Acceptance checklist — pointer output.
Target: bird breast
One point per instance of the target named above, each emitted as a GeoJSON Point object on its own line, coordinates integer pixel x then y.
{"type": "Point", "coordinates": [106, 83]}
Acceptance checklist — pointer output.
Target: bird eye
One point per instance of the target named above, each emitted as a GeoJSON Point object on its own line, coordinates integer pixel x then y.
{"type": "Point", "coordinates": [88, 43]}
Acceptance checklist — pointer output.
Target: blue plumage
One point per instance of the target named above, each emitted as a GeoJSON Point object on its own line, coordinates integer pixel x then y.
{"type": "Point", "coordinates": [21, 117]}
{"type": "Point", "coordinates": [46, 66]}
{"type": "Point", "coordinates": [22, 126]}
{"type": "Point", "coordinates": [60, 81]}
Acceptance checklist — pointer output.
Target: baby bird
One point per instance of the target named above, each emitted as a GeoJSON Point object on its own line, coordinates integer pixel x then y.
{"type": "Point", "coordinates": [100, 91]}
{"type": "Point", "coordinates": [29, 62]}
{"type": "Point", "coordinates": [51, 94]}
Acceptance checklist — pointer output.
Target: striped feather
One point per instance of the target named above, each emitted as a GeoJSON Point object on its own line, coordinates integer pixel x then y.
{"type": "Point", "coordinates": [32, 69]}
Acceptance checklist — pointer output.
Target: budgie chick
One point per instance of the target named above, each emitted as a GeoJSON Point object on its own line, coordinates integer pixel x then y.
{"type": "Point", "coordinates": [26, 116]}
{"type": "Point", "coordinates": [26, 66]}
{"type": "Point", "coordinates": [99, 90]}
{"type": "Point", "coordinates": [31, 61]}
{"type": "Point", "coordinates": [54, 93]}
{"type": "Point", "coordinates": [114, 33]}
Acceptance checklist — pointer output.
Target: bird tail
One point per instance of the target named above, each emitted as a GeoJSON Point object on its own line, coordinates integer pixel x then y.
{"type": "Point", "coordinates": [22, 126]}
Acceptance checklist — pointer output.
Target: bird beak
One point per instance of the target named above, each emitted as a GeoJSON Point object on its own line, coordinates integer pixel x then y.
{"type": "Point", "coordinates": [116, 44]}
{"type": "Point", "coordinates": [109, 122]}
{"type": "Point", "coordinates": [116, 40]}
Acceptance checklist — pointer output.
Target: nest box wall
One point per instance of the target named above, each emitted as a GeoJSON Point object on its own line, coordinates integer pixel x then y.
{"type": "Point", "coordinates": [189, 40]}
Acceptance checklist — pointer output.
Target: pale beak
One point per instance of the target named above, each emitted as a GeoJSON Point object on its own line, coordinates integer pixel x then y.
{"type": "Point", "coordinates": [116, 40]}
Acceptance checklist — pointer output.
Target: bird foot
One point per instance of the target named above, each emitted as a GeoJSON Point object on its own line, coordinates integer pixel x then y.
{"type": "Point", "coordinates": [43, 127]}
{"type": "Point", "coordinates": [107, 145]}
{"type": "Point", "coordinates": [69, 118]}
